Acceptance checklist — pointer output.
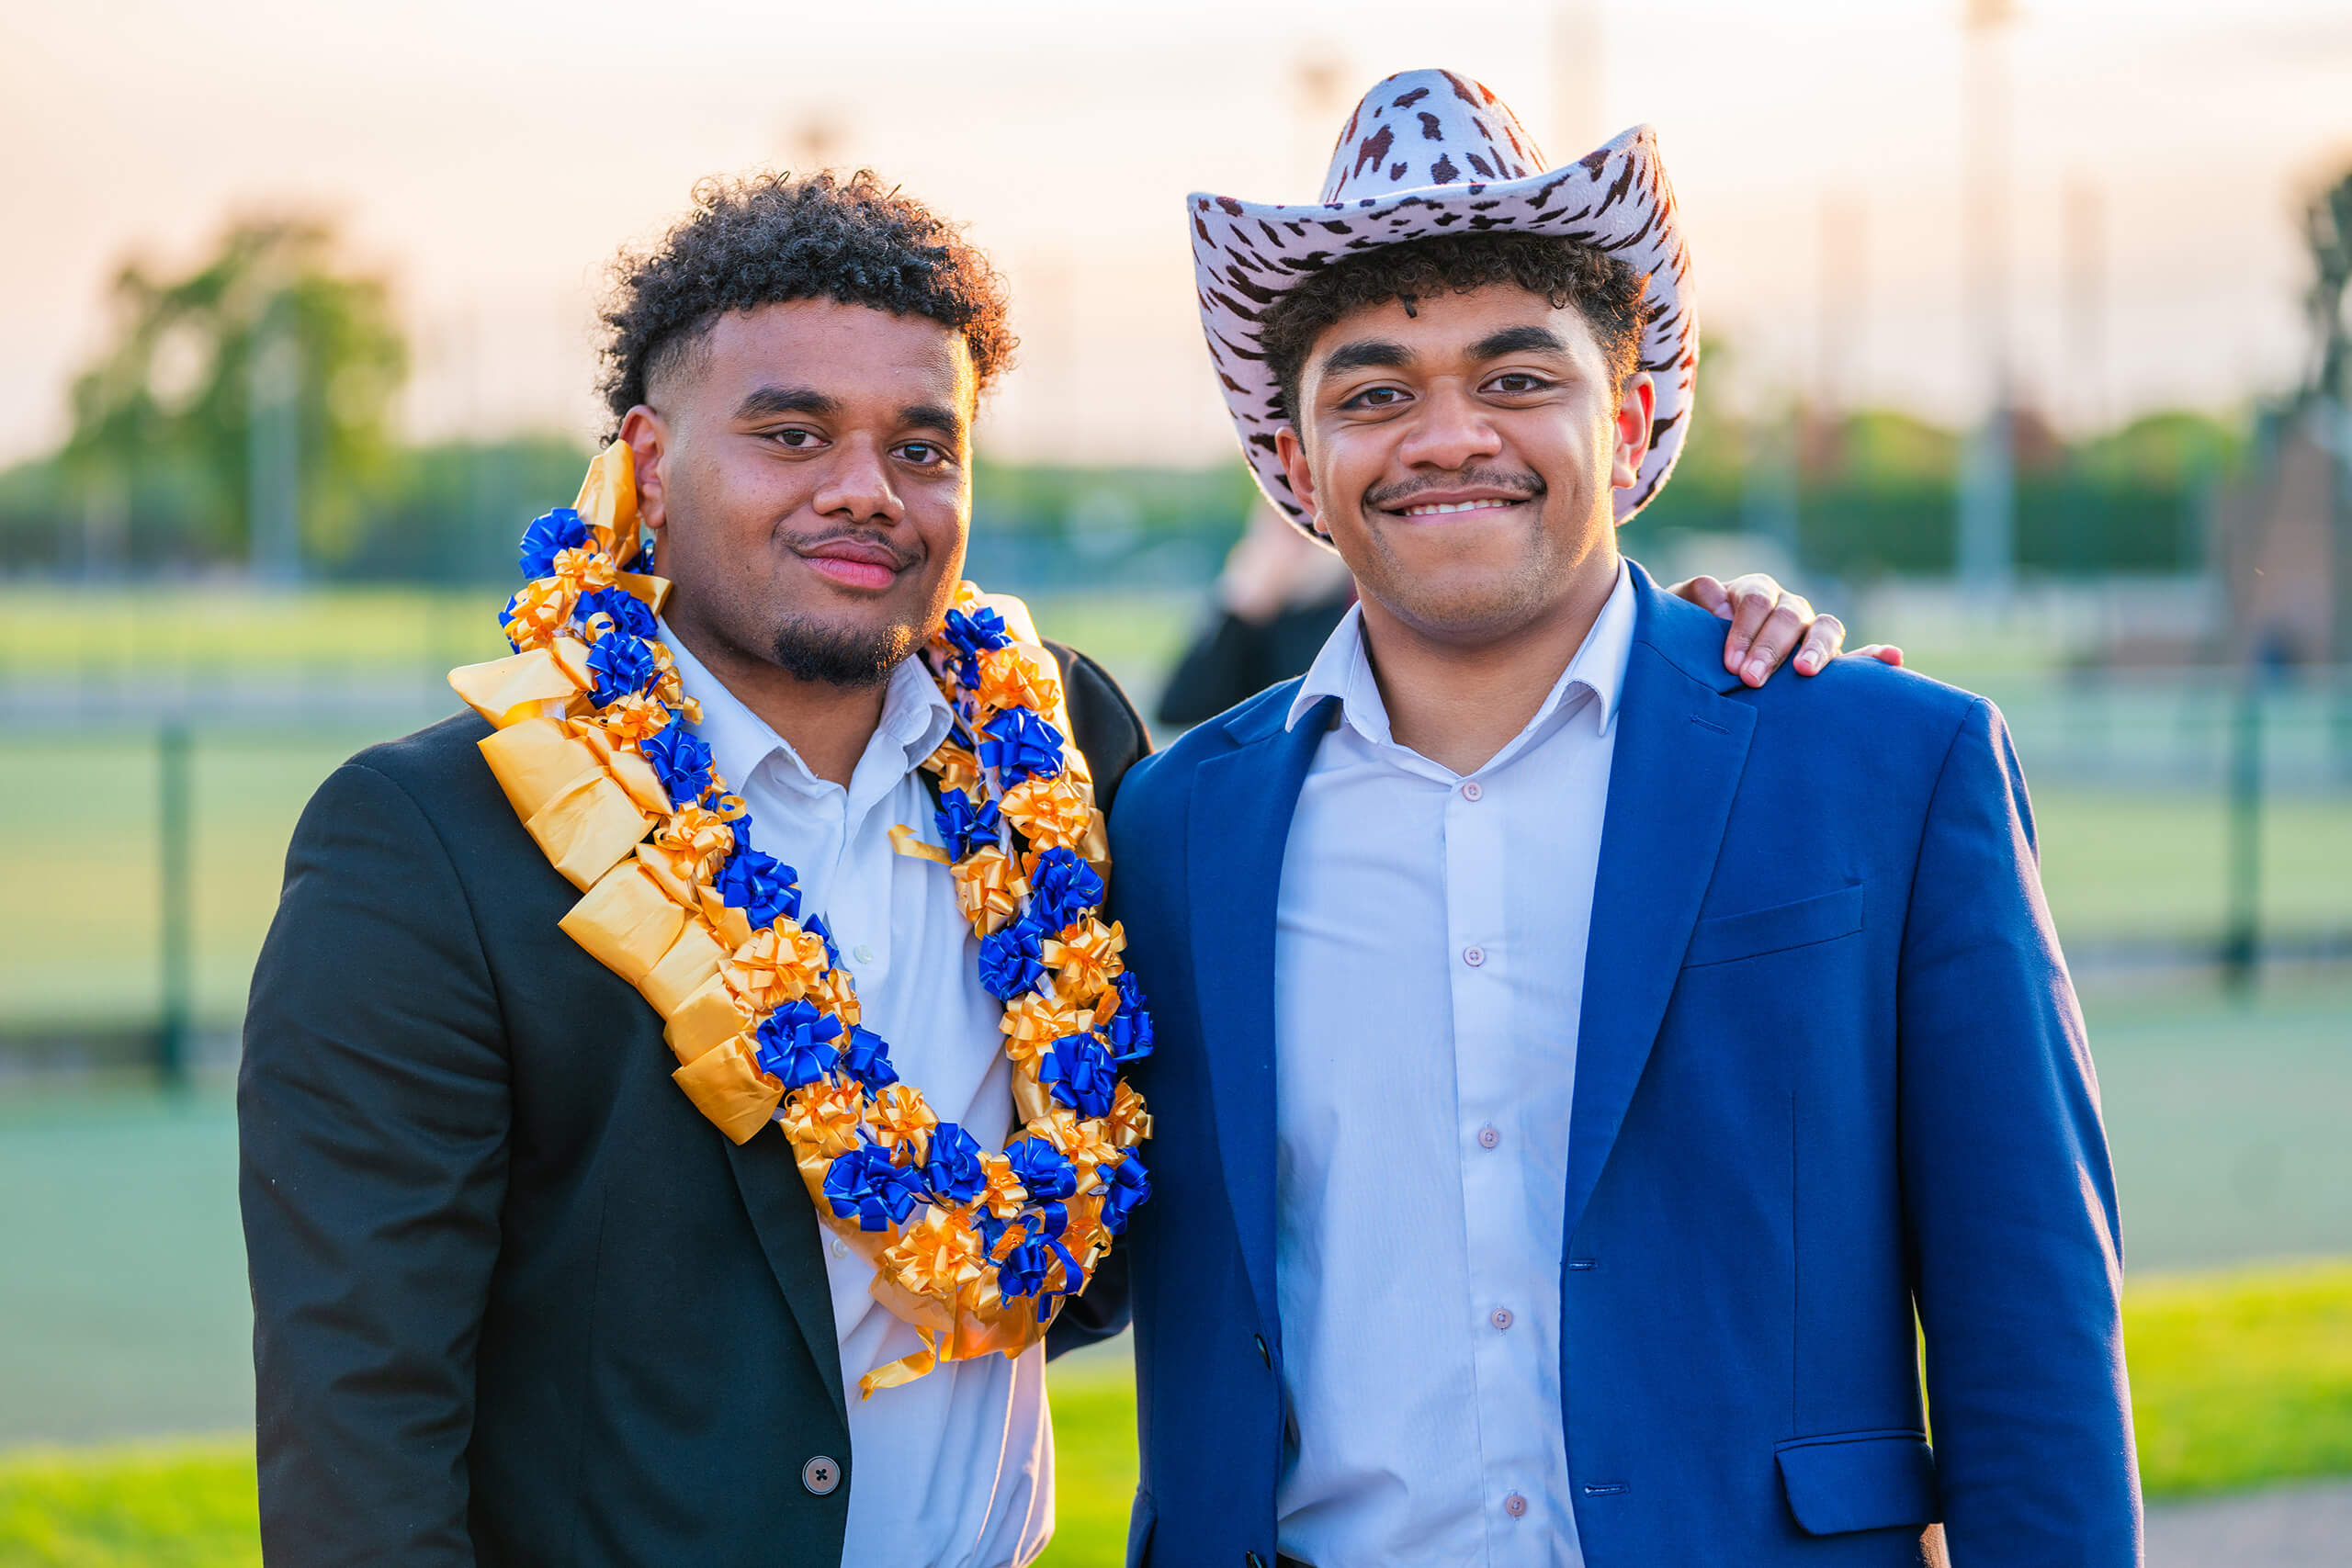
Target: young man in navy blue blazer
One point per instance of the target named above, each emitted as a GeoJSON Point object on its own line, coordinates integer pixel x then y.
{"type": "Point", "coordinates": [1583, 1078]}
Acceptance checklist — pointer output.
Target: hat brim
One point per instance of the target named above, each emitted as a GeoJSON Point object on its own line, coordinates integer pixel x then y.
{"type": "Point", "coordinates": [1246, 256]}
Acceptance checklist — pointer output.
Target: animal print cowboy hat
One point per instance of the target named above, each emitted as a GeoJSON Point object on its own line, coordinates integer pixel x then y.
{"type": "Point", "coordinates": [1433, 153]}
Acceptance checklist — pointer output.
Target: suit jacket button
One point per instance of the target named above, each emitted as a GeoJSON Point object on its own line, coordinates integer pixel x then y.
{"type": "Point", "coordinates": [1264, 1354]}
{"type": "Point", "coordinates": [820, 1476]}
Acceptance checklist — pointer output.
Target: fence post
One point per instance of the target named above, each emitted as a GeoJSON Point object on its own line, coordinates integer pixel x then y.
{"type": "Point", "coordinates": [176, 886]}
{"type": "Point", "coordinates": [2242, 943]}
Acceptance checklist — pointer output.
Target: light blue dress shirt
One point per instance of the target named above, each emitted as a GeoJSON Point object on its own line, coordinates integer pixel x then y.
{"type": "Point", "coordinates": [955, 1470]}
{"type": "Point", "coordinates": [1428, 963]}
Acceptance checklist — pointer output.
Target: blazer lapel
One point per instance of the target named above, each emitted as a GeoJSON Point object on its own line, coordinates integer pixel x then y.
{"type": "Point", "coordinates": [787, 1223]}
{"type": "Point", "coordinates": [1240, 825]}
{"type": "Point", "coordinates": [1681, 745]}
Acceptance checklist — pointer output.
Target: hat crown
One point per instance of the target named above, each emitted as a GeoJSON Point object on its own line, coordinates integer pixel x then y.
{"type": "Point", "coordinates": [1419, 128]}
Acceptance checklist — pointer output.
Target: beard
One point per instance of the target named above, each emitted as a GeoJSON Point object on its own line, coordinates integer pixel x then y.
{"type": "Point", "coordinates": [812, 651]}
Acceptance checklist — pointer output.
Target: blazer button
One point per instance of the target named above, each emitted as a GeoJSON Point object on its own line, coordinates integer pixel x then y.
{"type": "Point", "coordinates": [1264, 1354]}
{"type": "Point", "coordinates": [820, 1476]}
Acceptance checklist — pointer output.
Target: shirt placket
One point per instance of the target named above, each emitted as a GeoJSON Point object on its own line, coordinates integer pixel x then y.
{"type": "Point", "coordinates": [1479, 960]}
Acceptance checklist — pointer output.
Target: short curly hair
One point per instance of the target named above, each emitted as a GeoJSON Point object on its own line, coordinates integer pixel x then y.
{"type": "Point", "coordinates": [769, 238]}
{"type": "Point", "coordinates": [1607, 290]}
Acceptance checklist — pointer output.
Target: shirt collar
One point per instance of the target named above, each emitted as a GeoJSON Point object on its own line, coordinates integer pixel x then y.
{"type": "Point", "coordinates": [1343, 670]}
{"type": "Point", "coordinates": [915, 719]}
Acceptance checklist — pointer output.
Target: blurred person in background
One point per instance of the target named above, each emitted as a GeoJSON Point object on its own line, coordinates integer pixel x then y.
{"type": "Point", "coordinates": [516, 1300]}
{"type": "Point", "coordinates": [1583, 1076]}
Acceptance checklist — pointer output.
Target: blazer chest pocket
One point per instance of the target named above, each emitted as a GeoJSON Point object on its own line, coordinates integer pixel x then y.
{"type": "Point", "coordinates": [1824, 918]}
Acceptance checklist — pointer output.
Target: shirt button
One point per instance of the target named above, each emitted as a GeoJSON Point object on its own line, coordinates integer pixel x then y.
{"type": "Point", "coordinates": [1488, 1137]}
{"type": "Point", "coordinates": [820, 1476]}
{"type": "Point", "coordinates": [1500, 1317]}
{"type": "Point", "coordinates": [1515, 1506]}
{"type": "Point", "coordinates": [841, 1247]}
{"type": "Point", "coordinates": [1474, 956]}
{"type": "Point", "coordinates": [1471, 789]}
{"type": "Point", "coordinates": [864, 954]}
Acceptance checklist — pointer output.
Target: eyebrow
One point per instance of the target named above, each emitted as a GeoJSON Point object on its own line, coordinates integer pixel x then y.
{"type": "Point", "coordinates": [766, 401]}
{"type": "Point", "coordinates": [932, 416]}
{"type": "Point", "coordinates": [1365, 354]}
{"type": "Point", "coordinates": [1517, 340]}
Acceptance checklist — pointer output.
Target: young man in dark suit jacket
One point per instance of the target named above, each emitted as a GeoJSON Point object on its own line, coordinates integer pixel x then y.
{"type": "Point", "coordinates": [516, 1301]}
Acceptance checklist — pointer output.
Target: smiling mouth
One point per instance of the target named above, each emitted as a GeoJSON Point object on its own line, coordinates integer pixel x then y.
{"type": "Point", "coordinates": [1446, 508]}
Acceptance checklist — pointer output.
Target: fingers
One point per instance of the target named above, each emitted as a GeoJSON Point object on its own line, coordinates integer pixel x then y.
{"type": "Point", "coordinates": [1753, 598]}
{"type": "Point", "coordinates": [1707, 593]}
{"type": "Point", "coordinates": [1822, 641]}
{"type": "Point", "coordinates": [1884, 652]}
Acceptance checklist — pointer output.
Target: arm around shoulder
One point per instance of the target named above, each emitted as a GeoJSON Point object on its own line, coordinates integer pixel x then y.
{"type": "Point", "coordinates": [2009, 1195]}
{"type": "Point", "coordinates": [372, 1114]}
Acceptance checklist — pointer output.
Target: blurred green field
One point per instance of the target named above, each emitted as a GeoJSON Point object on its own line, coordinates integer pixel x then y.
{"type": "Point", "coordinates": [78, 936]}
{"type": "Point", "coordinates": [2238, 1379]}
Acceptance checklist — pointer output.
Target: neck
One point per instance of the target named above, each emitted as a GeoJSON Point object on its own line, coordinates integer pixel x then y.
{"type": "Point", "coordinates": [1458, 702]}
{"type": "Point", "coordinates": [827, 725]}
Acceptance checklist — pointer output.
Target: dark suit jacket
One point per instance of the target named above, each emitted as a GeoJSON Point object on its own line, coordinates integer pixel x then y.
{"type": "Point", "coordinates": [1829, 1072]}
{"type": "Point", "coordinates": [514, 1300]}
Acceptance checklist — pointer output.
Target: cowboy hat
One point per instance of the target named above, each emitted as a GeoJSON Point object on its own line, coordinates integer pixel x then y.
{"type": "Point", "coordinates": [1433, 153]}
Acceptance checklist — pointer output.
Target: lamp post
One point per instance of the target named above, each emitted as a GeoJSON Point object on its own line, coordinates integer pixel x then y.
{"type": "Point", "coordinates": [1987, 507]}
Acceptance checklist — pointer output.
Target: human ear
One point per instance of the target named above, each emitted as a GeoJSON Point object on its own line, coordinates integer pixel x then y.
{"type": "Point", "coordinates": [1635, 403]}
{"type": "Point", "coordinates": [648, 440]}
{"type": "Point", "coordinates": [1292, 453]}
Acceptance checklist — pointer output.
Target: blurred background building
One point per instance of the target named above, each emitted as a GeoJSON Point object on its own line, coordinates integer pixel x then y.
{"type": "Point", "coordinates": [2026, 347]}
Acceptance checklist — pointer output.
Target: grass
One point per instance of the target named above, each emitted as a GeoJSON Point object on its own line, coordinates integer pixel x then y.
{"type": "Point", "coordinates": [2239, 1379]}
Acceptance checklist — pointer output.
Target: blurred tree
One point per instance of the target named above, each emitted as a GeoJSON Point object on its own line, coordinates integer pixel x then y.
{"type": "Point", "coordinates": [268, 366]}
{"type": "Point", "coordinates": [2328, 225]}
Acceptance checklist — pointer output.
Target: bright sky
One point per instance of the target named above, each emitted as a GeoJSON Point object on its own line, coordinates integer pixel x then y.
{"type": "Point", "coordinates": [491, 155]}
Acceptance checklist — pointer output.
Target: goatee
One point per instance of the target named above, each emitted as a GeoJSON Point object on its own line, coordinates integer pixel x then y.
{"type": "Point", "coordinates": [808, 650]}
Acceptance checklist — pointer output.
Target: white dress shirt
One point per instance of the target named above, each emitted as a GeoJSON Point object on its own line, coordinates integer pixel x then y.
{"type": "Point", "coordinates": [1429, 963]}
{"type": "Point", "coordinates": [954, 1470]}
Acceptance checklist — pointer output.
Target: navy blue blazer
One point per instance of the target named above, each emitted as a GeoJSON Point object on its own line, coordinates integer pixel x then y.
{"type": "Point", "coordinates": [1830, 1072]}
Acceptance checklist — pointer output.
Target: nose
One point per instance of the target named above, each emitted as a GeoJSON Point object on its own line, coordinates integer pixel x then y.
{"type": "Point", "coordinates": [856, 488]}
{"type": "Point", "coordinates": [1450, 431]}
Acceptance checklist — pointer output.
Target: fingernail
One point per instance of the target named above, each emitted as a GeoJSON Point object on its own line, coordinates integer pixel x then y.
{"type": "Point", "coordinates": [1755, 670]}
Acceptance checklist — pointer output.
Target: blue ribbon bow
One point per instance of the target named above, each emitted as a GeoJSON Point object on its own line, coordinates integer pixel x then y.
{"type": "Point", "coordinates": [1128, 1032]}
{"type": "Point", "coordinates": [680, 761]}
{"type": "Point", "coordinates": [1011, 964]}
{"type": "Point", "coordinates": [1044, 1169]}
{"type": "Point", "coordinates": [954, 1172]}
{"type": "Point", "coordinates": [1127, 1186]}
{"type": "Point", "coordinates": [1019, 746]}
{"type": "Point", "coordinates": [972, 635]}
{"type": "Point", "coordinates": [1079, 1073]}
{"type": "Point", "coordinates": [1064, 890]}
{"type": "Point", "coordinates": [864, 1182]}
{"type": "Point", "coordinates": [622, 665]}
{"type": "Point", "coordinates": [963, 824]}
{"type": "Point", "coordinates": [760, 885]}
{"type": "Point", "coordinates": [550, 535]}
{"type": "Point", "coordinates": [867, 1057]}
{"type": "Point", "coordinates": [796, 1043]}
{"type": "Point", "coordinates": [627, 610]}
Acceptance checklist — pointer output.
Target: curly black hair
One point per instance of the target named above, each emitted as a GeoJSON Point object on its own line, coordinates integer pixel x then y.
{"type": "Point", "coordinates": [769, 238]}
{"type": "Point", "coordinates": [1607, 290]}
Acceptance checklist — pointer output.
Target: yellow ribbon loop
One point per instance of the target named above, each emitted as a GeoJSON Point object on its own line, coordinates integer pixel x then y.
{"type": "Point", "coordinates": [777, 965]}
{"type": "Point", "coordinates": [902, 1123]}
{"type": "Point", "coordinates": [1014, 677]}
{"type": "Point", "coordinates": [956, 768]}
{"type": "Point", "coordinates": [1033, 1023]}
{"type": "Point", "coordinates": [825, 1116]}
{"type": "Point", "coordinates": [904, 840]}
{"type": "Point", "coordinates": [1130, 1122]}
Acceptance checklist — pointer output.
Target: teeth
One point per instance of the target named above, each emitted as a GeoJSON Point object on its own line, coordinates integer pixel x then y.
{"type": "Point", "coordinates": [1456, 506]}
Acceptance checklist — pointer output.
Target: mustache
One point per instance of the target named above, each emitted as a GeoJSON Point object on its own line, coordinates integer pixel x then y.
{"type": "Point", "coordinates": [1521, 486]}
